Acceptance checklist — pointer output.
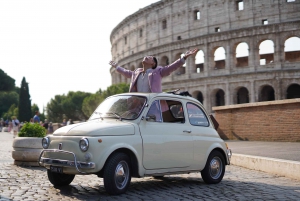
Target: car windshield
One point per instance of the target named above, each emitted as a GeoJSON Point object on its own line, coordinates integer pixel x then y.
{"type": "Point", "coordinates": [120, 107]}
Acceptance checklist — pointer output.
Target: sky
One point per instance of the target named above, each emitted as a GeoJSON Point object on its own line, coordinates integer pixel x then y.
{"type": "Point", "coordinates": [60, 45]}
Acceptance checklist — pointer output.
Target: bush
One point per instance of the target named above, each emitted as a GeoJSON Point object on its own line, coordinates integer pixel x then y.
{"type": "Point", "coordinates": [32, 130]}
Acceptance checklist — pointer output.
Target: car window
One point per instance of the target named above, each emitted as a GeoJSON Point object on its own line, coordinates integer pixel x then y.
{"type": "Point", "coordinates": [154, 113]}
{"type": "Point", "coordinates": [172, 111]}
{"type": "Point", "coordinates": [196, 115]}
{"type": "Point", "coordinates": [121, 107]}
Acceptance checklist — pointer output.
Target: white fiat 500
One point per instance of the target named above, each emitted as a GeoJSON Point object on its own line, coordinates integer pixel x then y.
{"type": "Point", "coordinates": [137, 135]}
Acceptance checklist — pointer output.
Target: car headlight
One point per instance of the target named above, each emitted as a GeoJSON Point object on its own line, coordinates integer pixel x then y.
{"type": "Point", "coordinates": [84, 144]}
{"type": "Point", "coordinates": [45, 142]}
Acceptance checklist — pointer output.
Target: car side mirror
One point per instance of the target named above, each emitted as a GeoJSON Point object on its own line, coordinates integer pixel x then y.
{"type": "Point", "coordinates": [151, 117]}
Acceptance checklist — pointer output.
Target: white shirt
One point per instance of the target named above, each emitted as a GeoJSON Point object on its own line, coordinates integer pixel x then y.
{"type": "Point", "coordinates": [143, 82]}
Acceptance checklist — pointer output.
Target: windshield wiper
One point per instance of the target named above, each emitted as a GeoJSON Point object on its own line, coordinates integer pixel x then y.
{"type": "Point", "coordinates": [116, 115]}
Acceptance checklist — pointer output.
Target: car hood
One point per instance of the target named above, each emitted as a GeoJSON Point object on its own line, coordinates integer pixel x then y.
{"type": "Point", "coordinates": [96, 128]}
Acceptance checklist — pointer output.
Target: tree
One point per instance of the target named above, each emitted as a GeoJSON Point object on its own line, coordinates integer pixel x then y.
{"type": "Point", "coordinates": [67, 106]}
{"type": "Point", "coordinates": [6, 82]}
{"type": "Point", "coordinates": [6, 100]}
{"type": "Point", "coordinates": [24, 102]}
{"type": "Point", "coordinates": [12, 111]}
{"type": "Point", "coordinates": [90, 103]}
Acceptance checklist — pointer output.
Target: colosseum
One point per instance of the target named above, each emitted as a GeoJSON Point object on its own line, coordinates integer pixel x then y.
{"type": "Point", "coordinates": [249, 50]}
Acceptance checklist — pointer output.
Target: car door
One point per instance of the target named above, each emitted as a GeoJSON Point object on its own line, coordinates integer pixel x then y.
{"type": "Point", "coordinates": [167, 142]}
{"type": "Point", "coordinates": [201, 132]}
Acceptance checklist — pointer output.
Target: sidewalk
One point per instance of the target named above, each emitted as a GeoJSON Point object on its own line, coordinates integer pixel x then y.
{"type": "Point", "coordinates": [280, 158]}
{"type": "Point", "coordinates": [279, 150]}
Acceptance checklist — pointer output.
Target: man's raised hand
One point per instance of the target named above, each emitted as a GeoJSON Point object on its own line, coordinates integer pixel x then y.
{"type": "Point", "coordinates": [191, 52]}
{"type": "Point", "coordinates": [113, 64]}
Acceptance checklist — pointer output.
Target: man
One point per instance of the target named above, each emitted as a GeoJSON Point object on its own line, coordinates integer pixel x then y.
{"type": "Point", "coordinates": [148, 79]}
{"type": "Point", "coordinates": [36, 118]}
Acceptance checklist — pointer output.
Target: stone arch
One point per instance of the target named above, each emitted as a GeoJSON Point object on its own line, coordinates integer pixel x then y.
{"type": "Point", "coordinates": [164, 61]}
{"type": "Point", "coordinates": [218, 97]}
{"type": "Point", "coordinates": [292, 49]}
{"type": "Point", "coordinates": [266, 93]}
{"type": "Point", "coordinates": [266, 52]}
{"type": "Point", "coordinates": [242, 95]}
{"type": "Point", "coordinates": [219, 58]}
{"type": "Point", "coordinates": [242, 54]}
{"type": "Point", "coordinates": [198, 95]}
{"type": "Point", "coordinates": [293, 91]}
{"type": "Point", "coordinates": [199, 62]}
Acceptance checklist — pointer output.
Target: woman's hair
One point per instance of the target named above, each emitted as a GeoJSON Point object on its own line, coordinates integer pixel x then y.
{"type": "Point", "coordinates": [155, 60]}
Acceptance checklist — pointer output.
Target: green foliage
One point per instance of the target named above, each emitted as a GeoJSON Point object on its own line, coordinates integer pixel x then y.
{"type": "Point", "coordinates": [91, 103]}
{"type": "Point", "coordinates": [24, 102]}
{"type": "Point", "coordinates": [12, 111]}
{"type": "Point", "coordinates": [7, 99]}
{"type": "Point", "coordinates": [6, 82]}
{"type": "Point", "coordinates": [32, 130]}
{"type": "Point", "coordinates": [67, 106]}
{"type": "Point", "coordinates": [115, 89]}
{"type": "Point", "coordinates": [34, 108]}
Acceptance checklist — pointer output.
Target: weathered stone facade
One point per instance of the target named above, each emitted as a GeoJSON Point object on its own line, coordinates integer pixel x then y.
{"type": "Point", "coordinates": [169, 28]}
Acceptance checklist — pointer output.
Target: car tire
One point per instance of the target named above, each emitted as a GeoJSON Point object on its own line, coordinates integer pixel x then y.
{"type": "Point", "coordinates": [117, 174]}
{"type": "Point", "coordinates": [60, 179]}
{"type": "Point", "coordinates": [214, 169]}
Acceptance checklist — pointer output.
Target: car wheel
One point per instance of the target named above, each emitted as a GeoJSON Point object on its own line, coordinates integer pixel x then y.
{"type": "Point", "coordinates": [60, 179]}
{"type": "Point", "coordinates": [117, 174]}
{"type": "Point", "coordinates": [214, 169]}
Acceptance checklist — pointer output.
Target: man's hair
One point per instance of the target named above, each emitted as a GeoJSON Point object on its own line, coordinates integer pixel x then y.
{"type": "Point", "coordinates": [155, 60]}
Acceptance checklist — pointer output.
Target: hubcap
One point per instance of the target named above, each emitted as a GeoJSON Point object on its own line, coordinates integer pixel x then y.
{"type": "Point", "coordinates": [215, 167]}
{"type": "Point", "coordinates": [121, 174]}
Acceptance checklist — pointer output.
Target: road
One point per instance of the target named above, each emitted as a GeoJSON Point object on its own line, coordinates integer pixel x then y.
{"type": "Point", "coordinates": [31, 183]}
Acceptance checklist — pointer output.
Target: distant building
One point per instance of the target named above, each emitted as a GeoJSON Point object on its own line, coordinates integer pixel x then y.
{"type": "Point", "coordinates": [243, 57]}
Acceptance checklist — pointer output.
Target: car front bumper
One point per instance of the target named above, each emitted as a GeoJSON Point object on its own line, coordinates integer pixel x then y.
{"type": "Point", "coordinates": [46, 162]}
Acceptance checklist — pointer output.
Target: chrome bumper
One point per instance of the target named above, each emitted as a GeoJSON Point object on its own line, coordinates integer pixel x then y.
{"type": "Point", "coordinates": [65, 163]}
{"type": "Point", "coordinates": [229, 154]}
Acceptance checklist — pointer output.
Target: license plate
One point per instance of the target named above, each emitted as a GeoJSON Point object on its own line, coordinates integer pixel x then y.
{"type": "Point", "coordinates": [56, 169]}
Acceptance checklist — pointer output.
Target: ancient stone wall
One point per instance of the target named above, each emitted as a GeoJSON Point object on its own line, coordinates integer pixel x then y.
{"type": "Point", "coordinates": [168, 28]}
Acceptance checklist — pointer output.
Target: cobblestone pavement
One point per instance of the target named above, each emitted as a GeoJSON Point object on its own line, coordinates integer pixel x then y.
{"type": "Point", "coordinates": [31, 183]}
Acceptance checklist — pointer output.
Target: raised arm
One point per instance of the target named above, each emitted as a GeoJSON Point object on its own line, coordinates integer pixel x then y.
{"type": "Point", "coordinates": [122, 71]}
{"type": "Point", "coordinates": [167, 70]}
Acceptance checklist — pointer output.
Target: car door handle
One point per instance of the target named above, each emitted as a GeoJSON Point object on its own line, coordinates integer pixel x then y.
{"type": "Point", "coordinates": [187, 131]}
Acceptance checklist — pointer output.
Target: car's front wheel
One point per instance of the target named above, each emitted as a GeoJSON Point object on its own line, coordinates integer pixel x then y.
{"type": "Point", "coordinates": [117, 174]}
{"type": "Point", "coordinates": [214, 169]}
{"type": "Point", "coordinates": [60, 179]}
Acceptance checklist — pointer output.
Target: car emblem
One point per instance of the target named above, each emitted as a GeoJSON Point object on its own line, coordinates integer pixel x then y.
{"type": "Point", "coordinates": [60, 146]}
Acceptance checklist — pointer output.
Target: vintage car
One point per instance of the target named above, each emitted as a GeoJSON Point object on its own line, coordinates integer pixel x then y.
{"type": "Point", "coordinates": [137, 135]}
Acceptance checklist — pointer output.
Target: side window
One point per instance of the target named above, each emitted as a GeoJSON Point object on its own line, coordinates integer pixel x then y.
{"type": "Point", "coordinates": [154, 113]}
{"type": "Point", "coordinates": [172, 111]}
{"type": "Point", "coordinates": [196, 115]}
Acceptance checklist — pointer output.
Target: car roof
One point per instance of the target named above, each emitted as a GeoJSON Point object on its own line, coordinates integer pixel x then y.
{"type": "Point", "coordinates": [163, 94]}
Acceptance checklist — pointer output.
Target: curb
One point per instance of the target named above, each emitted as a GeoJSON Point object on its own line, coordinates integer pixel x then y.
{"type": "Point", "coordinates": [279, 167]}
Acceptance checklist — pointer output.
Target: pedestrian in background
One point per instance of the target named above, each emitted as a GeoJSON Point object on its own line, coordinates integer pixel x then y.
{"type": "Point", "coordinates": [50, 128]}
{"type": "Point", "coordinates": [64, 123]}
{"type": "Point", "coordinates": [36, 118]}
{"type": "Point", "coordinates": [45, 124]}
{"type": "Point", "coordinates": [15, 125]}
